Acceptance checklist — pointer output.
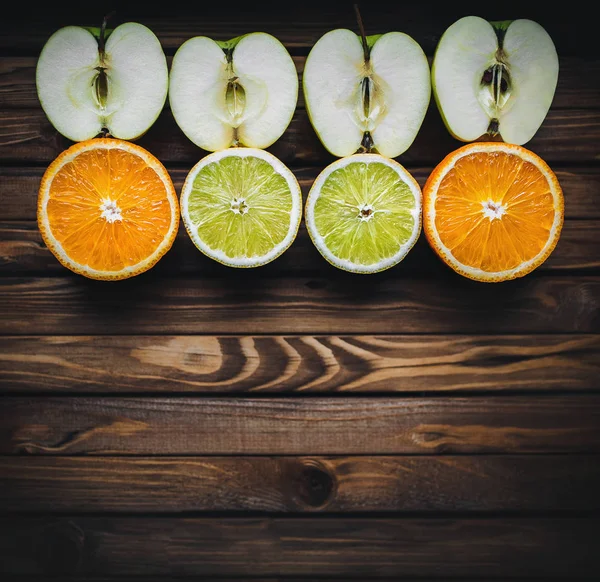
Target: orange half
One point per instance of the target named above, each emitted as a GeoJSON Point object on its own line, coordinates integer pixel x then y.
{"type": "Point", "coordinates": [107, 209]}
{"type": "Point", "coordinates": [493, 211]}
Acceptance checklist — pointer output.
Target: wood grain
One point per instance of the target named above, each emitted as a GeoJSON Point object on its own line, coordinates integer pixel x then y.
{"type": "Point", "coordinates": [299, 426]}
{"type": "Point", "coordinates": [546, 548]}
{"type": "Point", "coordinates": [338, 303]}
{"type": "Point", "coordinates": [577, 82]}
{"type": "Point", "coordinates": [22, 251]}
{"type": "Point", "coordinates": [301, 484]}
{"type": "Point", "coordinates": [19, 188]}
{"type": "Point", "coordinates": [567, 135]}
{"type": "Point", "coordinates": [305, 364]}
{"type": "Point", "coordinates": [476, 483]}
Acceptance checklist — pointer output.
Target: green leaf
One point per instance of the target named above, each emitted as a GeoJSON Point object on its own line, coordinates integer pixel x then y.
{"type": "Point", "coordinates": [372, 39]}
{"type": "Point", "coordinates": [501, 24]}
{"type": "Point", "coordinates": [229, 45]}
{"type": "Point", "coordinates": [95, 30]}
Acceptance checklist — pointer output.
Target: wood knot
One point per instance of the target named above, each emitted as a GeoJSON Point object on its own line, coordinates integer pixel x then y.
{"type": "Point", "coordinates": [313, 486]}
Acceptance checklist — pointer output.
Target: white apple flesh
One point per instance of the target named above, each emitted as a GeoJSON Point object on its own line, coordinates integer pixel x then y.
{"type": "Point", "coordinates": [241, 92]}
{"type": "Point", "coordinates": [381, 97]}
{"type": "Point", "coordinates": [494, 79]}
{"type": "Point", "coordinates": [85, 90]}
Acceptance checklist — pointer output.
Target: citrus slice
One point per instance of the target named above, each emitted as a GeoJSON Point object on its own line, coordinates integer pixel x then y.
{"type": "Point", "coordinates": [241, 206]}
{"type": "Point", "coordinates": [107, 209]}
{"type": "Point", "coordinates": [493, 211]}
{"type": "Point", "coordinates": [363, 213]}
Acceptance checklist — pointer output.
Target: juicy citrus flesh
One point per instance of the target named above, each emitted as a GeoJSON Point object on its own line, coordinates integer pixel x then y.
{"type": "Point", "coordinates": [493, 211]}
{"type": "Point", "coordinates": [364, 213]}
{"type": "Point", "coordinates": [241, 207]}
{"type": "Point", "coordinates": [107, 209]}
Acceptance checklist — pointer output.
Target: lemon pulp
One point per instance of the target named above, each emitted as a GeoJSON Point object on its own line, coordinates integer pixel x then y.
{"type": "Point", "coordinates": [241, 207]}
{"type": "Point", "coordinates": [364, 213]}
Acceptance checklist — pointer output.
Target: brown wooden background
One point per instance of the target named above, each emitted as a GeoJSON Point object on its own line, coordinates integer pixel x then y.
{"type": "Point", "coordinates": [294, 420]}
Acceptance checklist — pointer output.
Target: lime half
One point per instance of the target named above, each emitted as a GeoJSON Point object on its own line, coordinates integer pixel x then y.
{"type": "Point", "coordinates": [241, 206]}
{"type": "Point", "coordinates": [363, 213]}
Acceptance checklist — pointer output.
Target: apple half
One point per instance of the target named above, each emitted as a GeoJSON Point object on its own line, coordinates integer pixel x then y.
{"type": "Point", "coordinates": [372, 93]}
{"type": "Point", "coordinates": [88, 81]}
{"type": "Point", "coordinates": [494, 78]}
{"type": "Point", "coordinates": [239, 92]}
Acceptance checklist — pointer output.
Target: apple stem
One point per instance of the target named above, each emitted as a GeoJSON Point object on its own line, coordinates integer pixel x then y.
{"type": "Point", "coordinates": [101, 41]}
{"type": "Point", "coordinates": [363, 36]}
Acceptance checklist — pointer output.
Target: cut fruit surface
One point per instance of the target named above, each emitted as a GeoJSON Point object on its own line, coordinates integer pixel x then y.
{"type": "Point", "coordinates": [348, 96]}
{"type": "Point", "coordinates": [494, 78]}
{"type": "Point", "coordinates": [493, 211]}
{"type": "Point", "coordinates": [241, 207]}
{"type": "Point", "coordinates": [84, 89]}
{"type": "Point", "coordinates": [363, 213]}
{"type": "Point", "coordinates": [240, 92]}
{"type": "Point", "coordinates": [107, 209]}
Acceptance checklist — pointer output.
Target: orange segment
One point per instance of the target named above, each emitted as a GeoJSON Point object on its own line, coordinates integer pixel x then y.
{"type": "Point", "coordinates": [107, 209]}
{"type": "Point", "coordinates": [493, 211]}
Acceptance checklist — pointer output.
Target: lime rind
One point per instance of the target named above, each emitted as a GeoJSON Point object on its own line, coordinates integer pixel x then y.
{"type": "Point", "coordinates": [241, 207]}
{"type": "Point", "coordinates": [363, 213]}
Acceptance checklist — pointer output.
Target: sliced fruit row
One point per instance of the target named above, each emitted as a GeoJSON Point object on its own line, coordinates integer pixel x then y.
{"type": "Point", "coordinates": [107, 209]}
{"type": "Point", "coordinates": [368, 92]}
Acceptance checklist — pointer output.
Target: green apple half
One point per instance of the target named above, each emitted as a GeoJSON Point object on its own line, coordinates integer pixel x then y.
{"type": "Point", "coordinates": [87, 85]}
{"type": "Point", "coordinates": [374, 95]}
{"type": "Point", "coordinates": [239, 92]}
{"type": "Point", "coordinates": [495, 78]}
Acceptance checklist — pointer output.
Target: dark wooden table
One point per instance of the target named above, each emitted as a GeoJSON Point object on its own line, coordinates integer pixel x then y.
{"type": "Point", "coordinates": [295, 420]}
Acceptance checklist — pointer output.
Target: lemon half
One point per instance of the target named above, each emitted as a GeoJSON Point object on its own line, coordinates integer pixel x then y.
{"type": "Point", "coordinates": [241, 207]}
{"type": "Point", "coordinates": [363, 213]}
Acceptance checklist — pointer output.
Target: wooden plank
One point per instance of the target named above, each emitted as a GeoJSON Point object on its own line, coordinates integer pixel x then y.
{"type": "Point", "coordinates": [339, 303]}
{"type": "Point", "coordinates": [22, 251]}
{"type": "Point", "coordinates": [297, 26]}
{"type": "Point", "coordinates": [577, 82]}
{"type": "Point", "coordinates": [299, 426]}
{"type": "Point", "coordinates": [549, 484]}
{"type": "Point", "coordinates": [547, 548]}
{"type": "Point", "coordinates": [19, 188]}
{"type": "Point", "coordinates": [304, 364]}
{"type": "Point", "coordinates": [567, 135]}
